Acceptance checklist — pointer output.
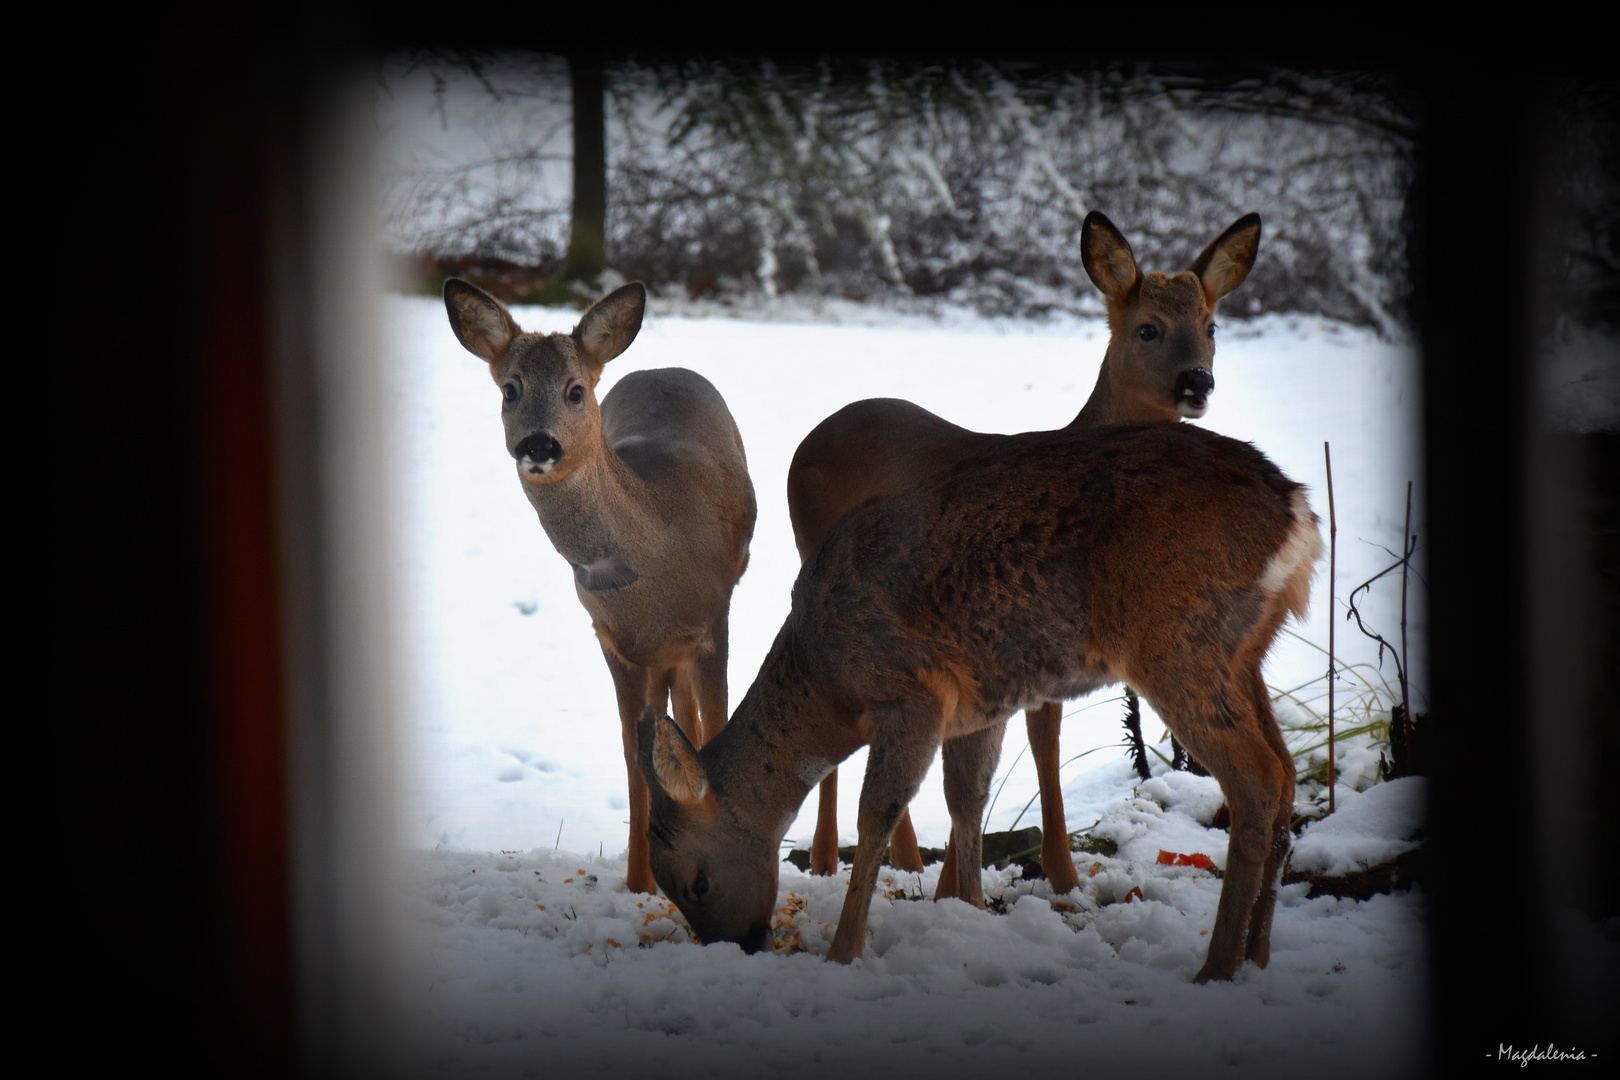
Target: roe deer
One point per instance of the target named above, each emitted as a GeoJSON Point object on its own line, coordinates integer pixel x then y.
{"type": "Point", "coordinates": [1156, 369]}
{"type": "Point", "coordinates": [1053, 563]}
{"type": "Point", "coordinates": [646, 496]}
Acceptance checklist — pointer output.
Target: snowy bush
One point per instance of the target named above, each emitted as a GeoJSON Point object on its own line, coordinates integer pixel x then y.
{"type": "Point", "coordinates": [965, 180]}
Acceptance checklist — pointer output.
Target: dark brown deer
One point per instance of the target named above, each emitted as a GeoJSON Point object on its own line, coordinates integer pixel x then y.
{"type": "Point", "coordinates": [647, 496]}
{"type": "Point", "coordinates": [1047, 566]}
{"type": "Point", "coordinates": [1157, 369]}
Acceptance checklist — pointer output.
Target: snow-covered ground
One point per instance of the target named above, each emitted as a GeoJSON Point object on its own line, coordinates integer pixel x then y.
{"type": "Point", "coordinates": [517, 781]}
{"type": "Point", "coordinates": [540, 963]}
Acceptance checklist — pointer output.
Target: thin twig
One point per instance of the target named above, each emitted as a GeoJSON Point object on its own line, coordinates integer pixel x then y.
{"type": "Point", "coordinates": [1408, 545]}
{"type": "Point", "coordinates": [1333, 565]}
{"type": "Point", "coordinates": [1355, 613]}
{"type": "Point", "coordinates": [1037, 794]}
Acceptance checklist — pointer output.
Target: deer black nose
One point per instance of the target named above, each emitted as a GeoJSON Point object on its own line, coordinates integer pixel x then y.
{"type": "Point", "coordinates": [538, 453]}
{"type": "Point", "coordinates": [1195, 382]}
{"type": "Point", "coordinates": [756, 940]}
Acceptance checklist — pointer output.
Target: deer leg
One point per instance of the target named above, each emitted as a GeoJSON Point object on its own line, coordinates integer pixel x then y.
{"type": "Point", "coordinates": [903, 850]}
{"type": "Point", "coordinates": [1044, 723]}
{"type": "Point", "coordinates": [1229, 739]}
{"type": "Point", "coordinates": [824, 846]}
{"type": "Point", "coordinates": [638, 876]}
{"type": "Point", "coordinates": [711, 673]}
{"type": "Point", "coordinates": [970, 765]}
{"type": "Point", "coordinates": [1258, 948]}
{"type": "Point", "coordinates": [683, 698]}
{"type": "Point", "coordinates": [905, 736]}
{"type": "Point", "coordinates": [630, 685]}
{"type": "Point", "coordinates": [949, 876]}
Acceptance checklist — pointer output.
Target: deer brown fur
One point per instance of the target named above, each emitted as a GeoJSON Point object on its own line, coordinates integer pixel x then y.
{"type": "Point", "coordinates": [647, 496]}
{"type": "Point", "coordinates": [1044, 567]}
{"type": "Point", "coordinates": [1157, 369]}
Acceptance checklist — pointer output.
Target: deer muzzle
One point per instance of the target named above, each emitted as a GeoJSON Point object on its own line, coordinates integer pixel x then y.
{"type": "Point", "coordinates": [756, 940]}
{"type": "Point", "coordinates": [538, 453]}
{"type": "Point", "coordinates": [1193, 388]}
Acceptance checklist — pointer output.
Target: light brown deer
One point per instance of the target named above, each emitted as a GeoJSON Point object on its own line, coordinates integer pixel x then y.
{"type": "Point", "coordinates": [647, 496]}
{"type": "Point", "coordinates": [1157, 369]}
{"type": "Point", "coordinates": [1052, 563]}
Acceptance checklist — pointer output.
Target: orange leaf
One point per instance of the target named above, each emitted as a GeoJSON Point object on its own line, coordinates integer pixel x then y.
{"type": "Point", "coordinates": [1168, 858]}
{"type": "Point", "coordinates": [1134, 894]}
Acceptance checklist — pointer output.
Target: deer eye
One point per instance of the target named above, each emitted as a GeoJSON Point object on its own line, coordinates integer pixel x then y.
{"type": "Point", "coordinates": [576, 394]}
{"type": "Point", "coordinates": [700, 886]}
{"type": "Point", "coordinates": [509, 392]}
{"type": "Point", "coordinates": [1147, 331]}
{"type": "Point", "coordinates": [1211, 330]}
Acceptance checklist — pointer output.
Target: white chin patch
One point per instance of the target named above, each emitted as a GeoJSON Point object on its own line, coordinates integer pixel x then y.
{"type": "Point", "coordinates": [533, 467]}
{"type": "Point", "coordinates": [1190, 411]}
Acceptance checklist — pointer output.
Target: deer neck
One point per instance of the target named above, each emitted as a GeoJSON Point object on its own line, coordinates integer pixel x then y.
{"type": "Point", "coordinates": [1105, 408]}
{"type": "Point", "coordinates": [599, 510]}
{"type": "Point", "coordinates": [1101, 408]}
{"type": "Point", "coordinates": [783, 739]}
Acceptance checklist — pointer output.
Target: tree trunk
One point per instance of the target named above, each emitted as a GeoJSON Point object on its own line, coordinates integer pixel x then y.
{"type": "Point", "coordinates": [586, 257]}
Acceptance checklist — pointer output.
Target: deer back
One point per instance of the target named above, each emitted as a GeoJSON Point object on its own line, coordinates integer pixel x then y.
{"type": "Point", "coordinates": [866, 450]}
{"type": "Point", "coordinates": [1055, 562]}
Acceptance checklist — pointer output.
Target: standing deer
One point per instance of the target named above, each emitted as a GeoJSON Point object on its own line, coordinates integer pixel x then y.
{"type": "Point", "coordinates": [647, 496]}
{"type": "Point", "coordinates": [1156, 369]}
{"type": "Point", "coordinates": [1046, 566]}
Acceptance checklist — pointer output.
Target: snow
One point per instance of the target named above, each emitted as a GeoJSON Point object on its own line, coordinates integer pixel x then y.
{"type": "Point", "coordinates": [517, 783]}
{"type": "Point", "coordinates": [1368, 828]}
{"type": "Point", "coordinates": [540, 961]}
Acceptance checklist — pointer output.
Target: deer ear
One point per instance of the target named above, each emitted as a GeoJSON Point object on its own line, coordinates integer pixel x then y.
{"type": "Point", "coordinates": [1107, 257]}
{"type": "Point", "coordinates": [481, 324]}
{"type": "Point", "coordinates": [669, 761]}
{"type": "Point", "coordinates": [612, 323]}
{"type": "Point", "coordinates": [1228, 259]}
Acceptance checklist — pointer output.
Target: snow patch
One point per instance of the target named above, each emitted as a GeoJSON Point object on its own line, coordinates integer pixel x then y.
{"type": "Point", "coordinates": [1370, 827]}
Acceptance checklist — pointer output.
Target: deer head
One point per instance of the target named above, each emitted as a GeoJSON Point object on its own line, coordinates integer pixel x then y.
{"type": "Point", "coordinates": [1162, 350]}
{"type": "Point", "coordinates": [719, 871]}
{"type": "Point", "coordinates": [548, 381]}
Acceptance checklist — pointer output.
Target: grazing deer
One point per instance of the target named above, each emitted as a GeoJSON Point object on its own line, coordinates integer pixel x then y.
{"type": "Point", "coordinates": [647, 496]}
{"type": "Point", "coordinates": [1050, 564]}
{"type": "Point", "coordinates": [1156, 369]}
